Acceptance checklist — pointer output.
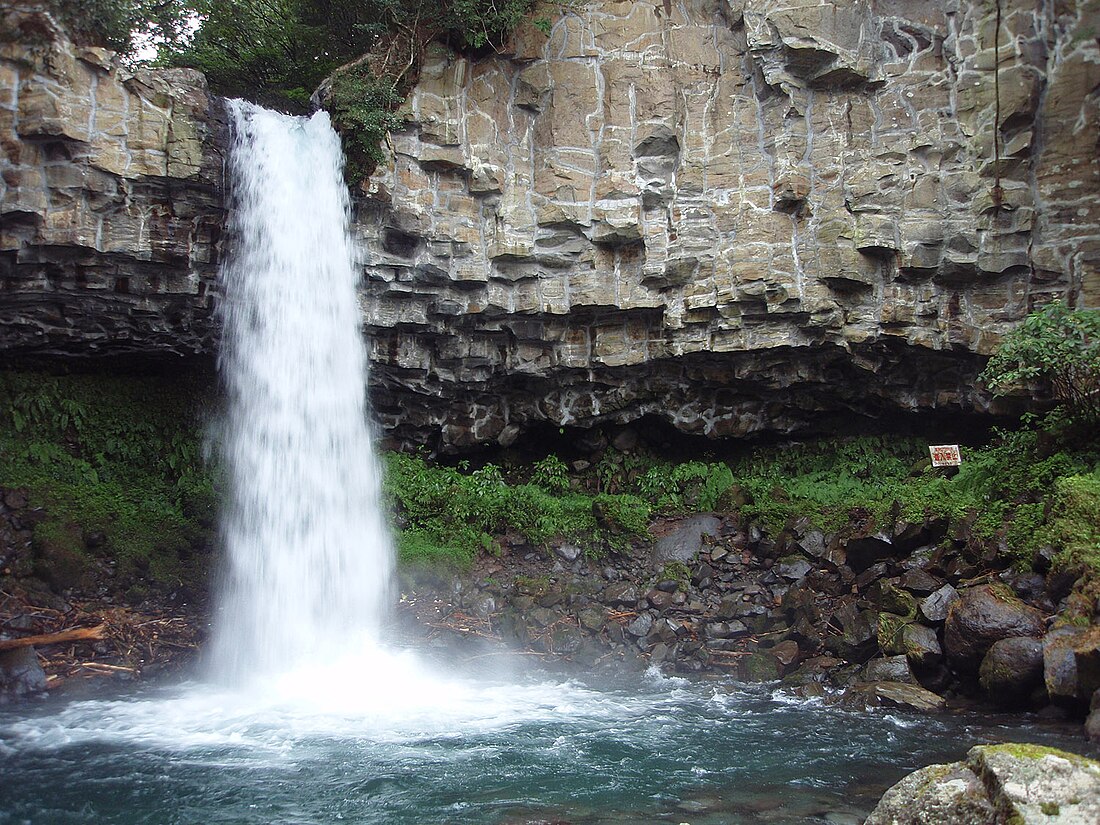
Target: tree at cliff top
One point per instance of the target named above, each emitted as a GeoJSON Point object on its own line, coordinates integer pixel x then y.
{"type": "Point", "coordinates": [125, 25]}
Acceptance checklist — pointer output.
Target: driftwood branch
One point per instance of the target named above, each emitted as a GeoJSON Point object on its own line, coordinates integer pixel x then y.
{"type": "Point", "coordinates": [76, 634]}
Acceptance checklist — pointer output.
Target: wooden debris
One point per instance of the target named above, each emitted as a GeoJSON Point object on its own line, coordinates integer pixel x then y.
{"type": "Point", "coordinates": [75, 634]}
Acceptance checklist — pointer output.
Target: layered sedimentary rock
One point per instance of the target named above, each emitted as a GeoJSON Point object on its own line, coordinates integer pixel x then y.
{"type": "Point", "coordinates": [735, 216]}
{"type": "Point", "coordinates": [110, 200]}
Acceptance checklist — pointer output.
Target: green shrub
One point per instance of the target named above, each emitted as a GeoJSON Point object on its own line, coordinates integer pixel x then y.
{"type": "Point", "coordinates": [551, 474]}
{"type": "Point", "coordinates": [1057, 346]}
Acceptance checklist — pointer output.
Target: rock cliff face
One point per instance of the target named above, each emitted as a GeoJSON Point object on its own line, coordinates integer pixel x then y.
{"type": "Point", "coordinates": [110, 200]}
{"type": "Point", "coordinates": [735, 216]}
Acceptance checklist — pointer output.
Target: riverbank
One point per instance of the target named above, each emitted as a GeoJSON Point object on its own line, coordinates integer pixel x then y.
{"type": "Point", "coordinates": [846, 567]}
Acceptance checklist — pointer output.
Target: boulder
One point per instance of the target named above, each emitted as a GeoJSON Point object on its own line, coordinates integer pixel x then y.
{"type": "Point", "coordinates": [1071, 665]}
{"type": "Point", "coordinates": [865, 551]}
{"type": "Point", "coordinates": [887, 669]}
{"type": "Point", "coordinates": [893, 695]}
{"type": "Point", "coordinates": [1092, 723]}
{"type": "Point", "coordinates": [936, 795]}
{"type": "Point", "coordinates": [1009, 783]}
{"type": "Point", "coordinates": [858, 639]}
{"type": "Point", "coordinates": [685, 540]}
{"type": "Point", "coordinates": [981, 616]}
{"type": "Point", "coordinates": [922, 646]}
{"type": "Point", "coordinates": [1012, 669]}
{"type": "Point", "coordinates": [934, 607]}
{"type": "Point", "coordinates": [20, 674]}
{"type": "Point", "coordinates": [786, 653]}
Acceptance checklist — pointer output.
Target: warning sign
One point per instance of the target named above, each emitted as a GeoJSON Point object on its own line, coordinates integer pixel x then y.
{"type": "Point", "coordinates": [945, 455]}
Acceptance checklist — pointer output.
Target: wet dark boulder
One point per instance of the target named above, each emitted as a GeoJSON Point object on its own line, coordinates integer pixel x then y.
{"type": "Point", "coordinates": [1071, 665]}
{"type": "Point", "coordinates": [922, 646]}
{"type": "Point", "coordinates": [1012, 670]}
{"type": "Point", "coordinates": [865, 551]}
{"type": "Point", "coordinates": [920, 582]}
{"type": "Point", "coordinates": [892, 695]}
{"type": "Point", "coordinates": [887, 596]}
{"type": "Point", "coordinates": [887, 669]}
{"type": "Point", "coordinates": [981, 616]}
{"type": "Point", "coordinates": [857, 640]}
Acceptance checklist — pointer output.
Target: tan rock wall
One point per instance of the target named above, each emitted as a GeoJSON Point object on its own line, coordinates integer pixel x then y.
{"type": "Point", "coordinates": [660, 184]}
{"type": "Point", "coordinates": [734, 216]}
{"type": "Point", "coordinates": [110, 199]}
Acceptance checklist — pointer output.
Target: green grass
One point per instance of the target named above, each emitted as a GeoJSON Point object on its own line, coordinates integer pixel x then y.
{"type": "Point", "coordinates": [123, 456]}
{"type": "Point", "coordinates": [110, 455]}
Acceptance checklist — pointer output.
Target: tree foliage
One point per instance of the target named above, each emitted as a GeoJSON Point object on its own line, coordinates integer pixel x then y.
{"type": "Point", "coordinates": [279, 52]}
{"type": "Point", "coordinates": [122, 25]}
{"type": "Point", "coordinates": [1056, 346]}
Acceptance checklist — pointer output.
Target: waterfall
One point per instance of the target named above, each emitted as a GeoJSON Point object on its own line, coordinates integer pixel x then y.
{"type": "Point", "coordinates": [309, 554]}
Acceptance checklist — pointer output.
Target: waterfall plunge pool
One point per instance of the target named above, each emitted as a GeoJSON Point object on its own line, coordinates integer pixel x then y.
{"type": "Point", "coordinates": [309, 734]}
{"type": "Point", "coordinates": [385, 739]}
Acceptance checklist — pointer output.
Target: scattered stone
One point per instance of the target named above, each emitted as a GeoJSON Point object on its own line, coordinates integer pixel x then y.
{"type": "Point", "coordinates": [934, 608]}
{"type": "Point", "coordinates": [641, 625]}
{"type": "Point", "coordinates": [686, 541]}
{"type": "Point", "coordinates": [620, 594]}
{"type": "Point", "coordinates": [568, 552]}
{"type": "Point", "coordinates": [725, 630]}
{"type": "Point", "coordinates": [793, 568]}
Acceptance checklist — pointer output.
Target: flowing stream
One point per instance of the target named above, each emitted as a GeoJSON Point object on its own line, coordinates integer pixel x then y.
{"type": "Point", "coordinates": [307, 716]}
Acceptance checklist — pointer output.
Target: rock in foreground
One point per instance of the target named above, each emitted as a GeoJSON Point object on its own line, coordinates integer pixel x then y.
{"type": "Point", "coordinates": [997, 784]}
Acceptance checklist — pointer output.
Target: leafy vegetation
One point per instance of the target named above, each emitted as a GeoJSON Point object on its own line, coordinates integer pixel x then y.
{"type": "Point", "coordinates": [116, 464]}
{"type": "Point", "coordinates": [447, 514]}
{"type": "Point", "coordinates": [1057, 346]}
{"type": "Point", "coordinates": [124, 25]}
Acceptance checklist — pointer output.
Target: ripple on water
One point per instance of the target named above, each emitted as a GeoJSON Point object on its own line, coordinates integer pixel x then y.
{"type": "Point", "coordinates": [454, 750]}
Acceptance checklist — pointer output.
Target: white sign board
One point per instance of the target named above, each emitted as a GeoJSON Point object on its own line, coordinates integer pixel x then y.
{"type": "Point", "coordinates": [945, 455]}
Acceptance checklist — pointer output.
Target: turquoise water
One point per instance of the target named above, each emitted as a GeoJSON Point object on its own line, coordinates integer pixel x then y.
{"type": "Point", "coordinates": [523, 750]}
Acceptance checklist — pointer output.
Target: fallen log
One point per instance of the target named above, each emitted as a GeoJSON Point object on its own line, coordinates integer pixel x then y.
{"type": "Point", "coordinates": [75, 634]}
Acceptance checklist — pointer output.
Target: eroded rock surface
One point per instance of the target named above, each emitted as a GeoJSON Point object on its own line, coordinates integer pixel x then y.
{"type": "Point", "coordinates": [110, 200]}
{"type": "Point", "coordinates": [997, 784]}
{"type": "Point", "coordinates": [732, 215]}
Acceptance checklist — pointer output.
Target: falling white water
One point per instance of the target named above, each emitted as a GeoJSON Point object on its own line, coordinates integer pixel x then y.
{"type": "Point", "coordinates": [309, 554]}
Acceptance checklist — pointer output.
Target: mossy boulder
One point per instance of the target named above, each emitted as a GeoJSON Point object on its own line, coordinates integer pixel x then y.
{"type": "Point", "coordinates": [1013, 784]}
